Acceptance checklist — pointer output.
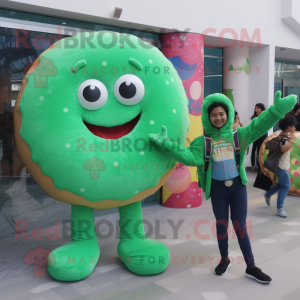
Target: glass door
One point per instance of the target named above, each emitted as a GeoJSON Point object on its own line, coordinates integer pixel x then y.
{"type": "Point", "coordinates": [289, 86]}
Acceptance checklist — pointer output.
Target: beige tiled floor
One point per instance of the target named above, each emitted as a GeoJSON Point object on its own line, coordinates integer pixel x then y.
{"type": "Point", "coordinates": [275, 242]}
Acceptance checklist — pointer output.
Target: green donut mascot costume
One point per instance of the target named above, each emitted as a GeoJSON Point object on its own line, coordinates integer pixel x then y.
{"type": "Point", "coordinates": [82, 121]}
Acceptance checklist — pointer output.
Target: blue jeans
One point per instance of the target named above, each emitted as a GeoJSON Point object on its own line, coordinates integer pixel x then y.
{"type": "Point", "coordinates": [235, 197]}
{"type": "Point", "coordinates": [282, 187]}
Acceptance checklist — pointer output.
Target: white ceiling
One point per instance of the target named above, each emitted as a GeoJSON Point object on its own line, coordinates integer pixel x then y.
{"type": "Point", "coordinates": [292, 54]}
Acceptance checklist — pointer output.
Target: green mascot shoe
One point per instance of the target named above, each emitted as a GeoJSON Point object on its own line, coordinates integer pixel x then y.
{"type": "Point", "coordinates": [144, 256]}
{"type": "Point", "coordinates": [73, 261]}
{"type": "Point", "coordinates": [139, 254]}
{"type": "Point", "coordinates": [76, 260]}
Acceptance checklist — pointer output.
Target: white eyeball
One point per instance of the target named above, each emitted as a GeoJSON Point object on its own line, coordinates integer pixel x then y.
{"type": "Point", "coordinates": [92, 94]}
{"type": "Point", "coordinates": [129, 89]}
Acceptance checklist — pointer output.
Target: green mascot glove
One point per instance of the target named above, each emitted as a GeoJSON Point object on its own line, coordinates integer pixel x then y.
{"type": "Point", "coordinates": [161, 139]}
{"type": "Point", "coordinates": [283, 105]}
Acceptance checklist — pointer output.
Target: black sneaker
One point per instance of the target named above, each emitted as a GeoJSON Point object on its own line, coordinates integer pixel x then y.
{"type": "Point", "coordinates": [222, 267]}
{"type": "Point", "coordinates": [258, 275]}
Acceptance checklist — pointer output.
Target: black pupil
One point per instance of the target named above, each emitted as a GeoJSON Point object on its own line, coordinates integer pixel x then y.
{"type": "Point", "coordinates": [127, 91]}
{"type": "Point", "coordinates": [91, 93]}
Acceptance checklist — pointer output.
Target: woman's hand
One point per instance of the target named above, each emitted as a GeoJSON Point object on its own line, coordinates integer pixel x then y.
{"type": "Point", "coordinates": [159, 138]}
{"type": "Point", "coordinates": [293, 137]}
{"type": "Point", "coordinates": [285, 148]}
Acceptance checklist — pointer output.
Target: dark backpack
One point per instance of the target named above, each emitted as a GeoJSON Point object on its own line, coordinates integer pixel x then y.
{"type": "Point", "coordinates": [274, 146]}
{"type": "Point", "coordinates": [208, 147]}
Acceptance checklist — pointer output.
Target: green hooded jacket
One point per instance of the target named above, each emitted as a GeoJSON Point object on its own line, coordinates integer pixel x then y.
{"type": "Point", "coordinates": [194, 154]}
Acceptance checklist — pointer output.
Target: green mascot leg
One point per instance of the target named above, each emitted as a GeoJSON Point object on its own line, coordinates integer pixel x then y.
{"type": "Point", "coordinates": [76, 260]}
{"type": "Point", "coordinates": [140, 255]}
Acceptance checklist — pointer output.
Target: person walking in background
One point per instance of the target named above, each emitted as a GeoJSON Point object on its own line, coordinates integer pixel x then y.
{"type": "Point", "coordinates": [259, 108]}
{"type": "Point", "coordinates": [237, 122]}
{"type": "Point", "coordinates": [296, 112]}
{"type": "Point", "coordinates": [285, 142]}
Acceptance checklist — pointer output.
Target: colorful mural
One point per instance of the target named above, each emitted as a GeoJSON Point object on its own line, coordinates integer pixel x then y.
{"type": "Point", "coordinates": [186, 52]}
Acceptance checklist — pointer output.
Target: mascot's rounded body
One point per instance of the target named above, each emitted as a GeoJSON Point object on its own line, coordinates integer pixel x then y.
{"type": "Point", "coordinates": [82, 122]}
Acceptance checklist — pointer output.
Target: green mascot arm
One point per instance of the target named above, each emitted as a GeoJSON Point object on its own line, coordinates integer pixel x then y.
{"type": "Point", "coordinates": [190, 156]}
{"type": "Point", "coordinates": [267, 119]}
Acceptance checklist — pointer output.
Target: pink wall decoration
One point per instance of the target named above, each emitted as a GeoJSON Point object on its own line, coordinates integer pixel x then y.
{"type": "Point", "coordinates": [186, 52]}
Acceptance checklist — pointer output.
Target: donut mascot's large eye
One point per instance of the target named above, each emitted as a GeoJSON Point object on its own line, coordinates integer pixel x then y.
{"type": "Point", "coordinates": [129, 89]}
{"type": "Point", "coordinates": [92, 94]}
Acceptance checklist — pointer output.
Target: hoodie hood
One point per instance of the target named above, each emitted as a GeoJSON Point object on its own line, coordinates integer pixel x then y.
{"type": "Point", "coordinates": [208, 127]}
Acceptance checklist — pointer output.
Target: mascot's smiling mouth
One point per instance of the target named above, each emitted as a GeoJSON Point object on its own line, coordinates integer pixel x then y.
{"type": "Point", "coordinates": [114, 132]}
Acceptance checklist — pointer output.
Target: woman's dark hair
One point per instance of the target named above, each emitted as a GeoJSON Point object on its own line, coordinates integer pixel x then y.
{"type": "Point", "coordinates": [288, 120]}
{"type": "Point", "coordinates": [296, 107]}
{"type": "Point", "coordinates": [217, 104]}
{"type": "Point", "coordinates": [261, 106]}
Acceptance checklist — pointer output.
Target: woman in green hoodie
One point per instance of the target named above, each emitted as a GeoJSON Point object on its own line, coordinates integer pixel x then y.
{"type": "Point", "coordinates": [223, 180]}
